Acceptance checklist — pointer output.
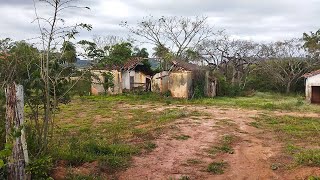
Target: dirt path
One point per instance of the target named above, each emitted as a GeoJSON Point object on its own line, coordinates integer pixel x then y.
{"type": "Point", "coordinates": [255, 152]}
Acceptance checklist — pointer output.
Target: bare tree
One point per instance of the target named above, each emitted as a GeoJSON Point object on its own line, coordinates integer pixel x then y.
{"type": "Point", "coordinates": [233, 58]}
{"type": "Point", "coordinates": [286, 62]}
{"type": "Point", "coordinates": [103, 42]}
{"type": "Point", "coordinates": [54, 33]}
{"type": "Point", "coordinates": [176, 33]}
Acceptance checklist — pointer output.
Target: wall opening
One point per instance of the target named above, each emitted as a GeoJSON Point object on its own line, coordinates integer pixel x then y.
{"type": "Point", "coordinates": [131, 82]}
{"type": "Point", "coordinates": [315, 94]}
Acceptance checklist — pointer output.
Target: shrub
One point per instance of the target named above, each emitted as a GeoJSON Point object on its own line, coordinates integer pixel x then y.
{"type": "Point", "coordinates": [40, 167]}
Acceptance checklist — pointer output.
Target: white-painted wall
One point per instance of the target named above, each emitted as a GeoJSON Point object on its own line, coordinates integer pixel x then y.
{"type": "Point", "coordinates": [311, 81]}
{"type": "Point", "coordinates": [126, 79]}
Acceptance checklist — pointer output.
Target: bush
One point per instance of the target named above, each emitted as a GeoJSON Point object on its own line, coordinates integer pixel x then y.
{"type": "Point", "coordinates": [82, 88]}
{"type": "Point", "coordinates": [40, 167]}
{"type": "Point", "coordinates": [227, 89]}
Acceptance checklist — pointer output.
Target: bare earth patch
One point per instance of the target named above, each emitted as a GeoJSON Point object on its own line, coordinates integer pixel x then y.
{"type": "Point", "coordinates": [256, 155]}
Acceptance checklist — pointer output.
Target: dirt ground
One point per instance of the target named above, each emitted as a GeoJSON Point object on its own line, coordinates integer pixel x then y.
{"type": "Point", "coordinates": [256, 151]}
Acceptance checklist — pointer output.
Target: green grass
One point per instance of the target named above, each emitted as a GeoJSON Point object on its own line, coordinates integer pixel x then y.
{"type": "Point", "coordinates": [293, 129]}
{"type": "Point", "coordinates": [314, 178]}
{"type": "Point", "coordinates": [217, 167]}
{"type": "Point", "coordinates": [149, 146]}
{"type": "Point", "coordinates": [309, 157]}
{"type": "Point", "coordinates": [301, 134]}
{"type": "Point", "coordinates": [262, 101]}
{"type": "Point", "coordinates": [224, 145]}
{"type": "Point", "coordinates": [108, 130]}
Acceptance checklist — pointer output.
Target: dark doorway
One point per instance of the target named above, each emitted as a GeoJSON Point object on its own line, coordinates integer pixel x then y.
{"type": "Point", "coordinates": [315, 94]}
{"type": "Point", "coordinates": [148, 84]}
{"type": "Point", "coordinates": [131, 82]}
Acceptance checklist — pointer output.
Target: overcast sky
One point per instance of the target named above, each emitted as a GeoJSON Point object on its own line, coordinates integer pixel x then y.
{"type": "Point", "coordinates": [259, 20]}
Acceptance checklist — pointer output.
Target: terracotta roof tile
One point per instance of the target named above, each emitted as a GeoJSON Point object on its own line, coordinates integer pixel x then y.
{"type": "Point", "coordinates": [313, 73]}
{"type": "Point", "coordinates": [132, 63]}
{"type": "Point", "coordinates": [185, 65]}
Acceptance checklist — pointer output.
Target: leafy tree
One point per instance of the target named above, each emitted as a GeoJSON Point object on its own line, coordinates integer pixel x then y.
{"type": "Point", "coordinates": [69, 53]}
{"type": "Point", "coordinates": [119, 53]}
{"type": "Point", "coordinates": [312, 43]}
{"type": "Point", "coordinates": [140, 52]}
{"type": "Point", "coordinates": [107, 81]}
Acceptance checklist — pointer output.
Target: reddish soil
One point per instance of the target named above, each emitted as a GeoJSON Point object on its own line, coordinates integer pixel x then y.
{"type": "Point", "coordinates": [255, 153]}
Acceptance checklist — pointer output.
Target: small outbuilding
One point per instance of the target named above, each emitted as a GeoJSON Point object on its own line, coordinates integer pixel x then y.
{"type": "Point", "coordinates": [185, 80]}
{"type": "Point", "coordinates": [313, 86]}
{"type": "Point", "coordinates": [99, 79]}
{"type": "Point", "coordinates": [134, 75]}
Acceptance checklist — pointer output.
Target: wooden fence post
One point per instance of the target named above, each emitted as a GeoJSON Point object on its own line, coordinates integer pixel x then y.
{"type": "Point", "coordinates": [15, 133]}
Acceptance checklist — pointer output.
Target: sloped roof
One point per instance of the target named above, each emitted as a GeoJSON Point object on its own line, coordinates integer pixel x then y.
{"type": "Point", "coordinates": [132, 63]}
{"type": "Point", "coordinates": [310, 74]}
{"type": "Point", "coordinates": [112, 67]}
{"type": "Point", "coordinates": [185, 65]}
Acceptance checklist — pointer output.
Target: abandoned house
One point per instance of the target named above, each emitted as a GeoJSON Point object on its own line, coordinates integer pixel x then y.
{"type": "Point", "coordinates": [98, 80]}
{"type": "Point", "coordinates": [134, 75]}
{"type": "Point", "coordinates": [185, 80]}
{"type": "Point", "coordinates": [313, 86]}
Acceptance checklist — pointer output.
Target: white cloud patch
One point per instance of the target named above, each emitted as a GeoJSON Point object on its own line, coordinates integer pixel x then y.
{"type": "Point", "coordinates": [245, 19]}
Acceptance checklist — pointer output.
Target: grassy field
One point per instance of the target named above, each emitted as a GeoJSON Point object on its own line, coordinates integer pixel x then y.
{"type": "Point", "coordinates": [109, 130]}
{"type": "Point", "coordinates": [260, 101]}
{"type": "Point", "coordinates": [301, 136]}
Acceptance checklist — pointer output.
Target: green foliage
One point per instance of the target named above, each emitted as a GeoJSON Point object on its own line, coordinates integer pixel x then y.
{"type": "Point", "coordinates": [110, 157]}
{"type": "Point", "coordinates": [82, 88]}
{"type": "Point", "coordinates": [217, 167]}
{"type": "Point", "coordinates": [118, 54]}
{"type": "Point", "coordinates": [149, 146]}
{"type": "Point", "coordinates": [227, 89]}
{"type": "Point", "coordinates": [107, 81]}
{"type": "Point", "coordinates": [2, 117]}
{"type": "Point", "coordinates": [140, 52]}
{"type": "Point", "coordinates": [199, 82]}
{"type": "Point", "coordinates": [40, 167]}
{"type": "Point", "coordinates": [312, 42]}
{"type": "Point", "coordinates": [314, 178]}
{"type": "Point", "coordinates": [309, 157]}
{"type": "Point", "coordinates": [224, 145]}
{"type": "Point", "coordinates": [69, 53]}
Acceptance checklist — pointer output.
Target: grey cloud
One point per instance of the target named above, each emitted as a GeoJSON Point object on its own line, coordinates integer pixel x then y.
{"type": "Point", "coordinates": [253, 19]}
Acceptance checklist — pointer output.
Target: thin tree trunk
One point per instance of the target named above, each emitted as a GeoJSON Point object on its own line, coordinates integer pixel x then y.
{"type": "Point", "coordinates": [14, 123]}
{"type": "Point", "coordinates": [288, 88]}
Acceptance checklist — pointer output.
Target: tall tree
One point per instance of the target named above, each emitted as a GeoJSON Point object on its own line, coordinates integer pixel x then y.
{"type": "Point", "coordinates": [312, 43]}
{"type": "Point", "coordinates": [286, 63]}
{"type": "Point", "coordinates": [232, 58]}
{"type": "Point", "coordinates": [177, 33]}
{"type": "Point", "coordinates": [53, 31]}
